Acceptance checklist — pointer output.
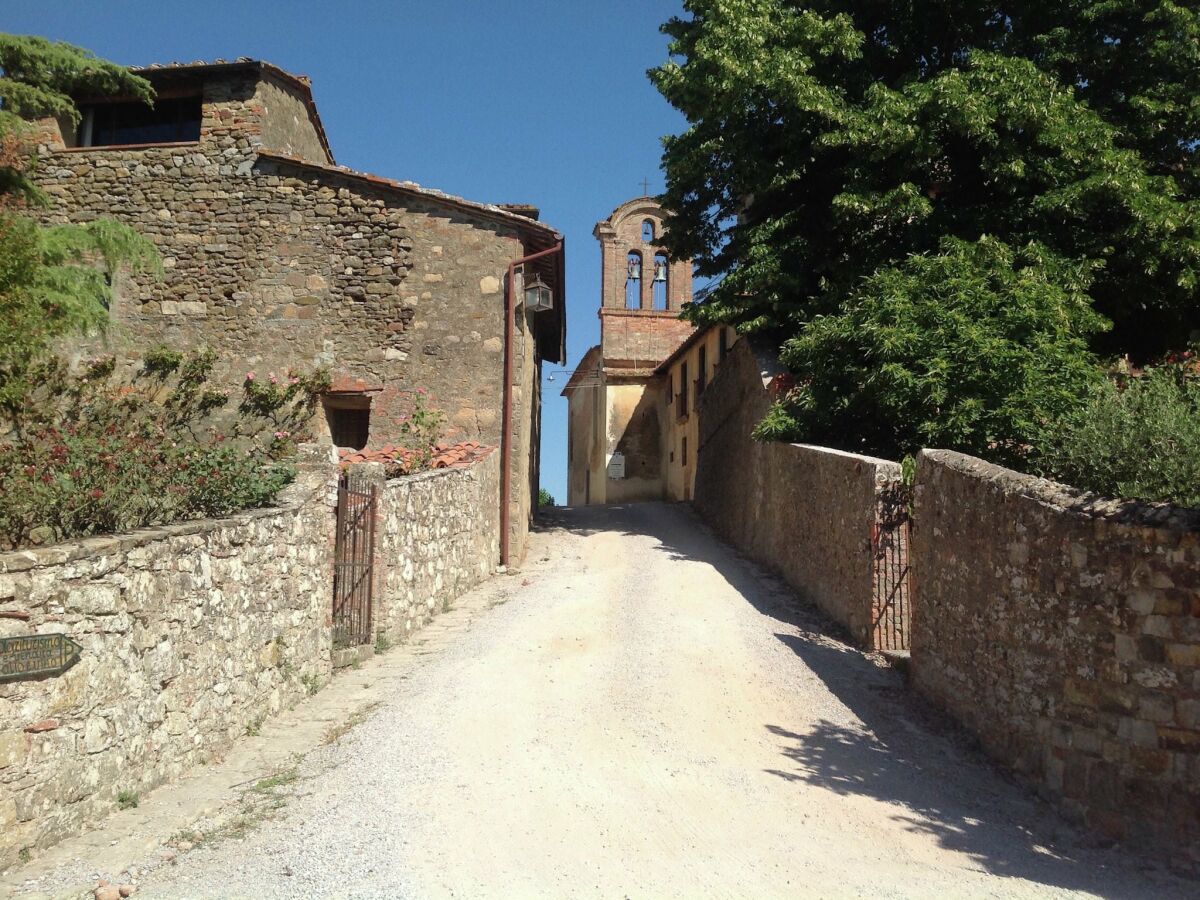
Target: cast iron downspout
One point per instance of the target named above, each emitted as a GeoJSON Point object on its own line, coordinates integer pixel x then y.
{"type": "Point", "coordinates": [506, 416]}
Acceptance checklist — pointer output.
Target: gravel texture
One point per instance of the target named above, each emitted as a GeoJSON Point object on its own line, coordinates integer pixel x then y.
{"type": "Point", "coordinates": [649, 716]}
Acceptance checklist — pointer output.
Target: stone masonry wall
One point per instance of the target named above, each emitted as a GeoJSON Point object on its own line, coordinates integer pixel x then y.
{"type": "Point", "coordinates": [805, 512]}
{"type": "Point", "coordinates": [277, 265]}
{"type": "Point", "coordinates": [1065, 632]}
{"type": "Point", "coordinates": [439, 536]}
{"type": "Point", "coordinates": [190, 633]}
{"type": "Point", "coordinates": [281, 263]}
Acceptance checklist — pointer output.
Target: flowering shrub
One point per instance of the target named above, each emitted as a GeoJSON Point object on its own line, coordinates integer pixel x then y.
{"type": "Point", "coordinates": [420, 431]}
{"type": "Point", "coordinates": [93, 452]}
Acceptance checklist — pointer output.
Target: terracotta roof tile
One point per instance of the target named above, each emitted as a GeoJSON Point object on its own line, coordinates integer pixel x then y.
{"type": "Point", "coordinates": [445, 456]}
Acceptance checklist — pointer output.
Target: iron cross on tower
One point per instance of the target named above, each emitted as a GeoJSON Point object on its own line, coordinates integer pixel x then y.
{"type": "Point", "coordinates": [645, 187]}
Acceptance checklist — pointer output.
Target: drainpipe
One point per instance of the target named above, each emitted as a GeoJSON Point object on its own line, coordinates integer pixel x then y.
{"type": "Point", "coordinates": [506, 417]}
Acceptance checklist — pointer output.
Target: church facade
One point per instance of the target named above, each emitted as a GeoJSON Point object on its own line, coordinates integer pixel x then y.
{"type": "Point", "coordinates": [628, 405]}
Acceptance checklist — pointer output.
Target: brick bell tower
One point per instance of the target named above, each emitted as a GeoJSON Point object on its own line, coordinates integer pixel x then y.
{"type": "Point", "coordinates": [641, 290]}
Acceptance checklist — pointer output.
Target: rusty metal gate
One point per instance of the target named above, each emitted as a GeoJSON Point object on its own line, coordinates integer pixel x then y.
{"type": "Point", "coordinates": [354, 562]}
{"type": "Point", "coordinates": [890, 536]}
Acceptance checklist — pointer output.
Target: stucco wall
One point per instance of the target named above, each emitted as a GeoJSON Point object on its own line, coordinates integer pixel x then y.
{"type": "Point", "coordinates": [189, 632]}
{"type": "Point", "coordinates": [805, 512]}
{"type": "Point", "coordinates": [634, 426]}
{"type": "Point", "coordinates": [679, 469]}
{"type": "Point", "coordinates": [1065, 632]}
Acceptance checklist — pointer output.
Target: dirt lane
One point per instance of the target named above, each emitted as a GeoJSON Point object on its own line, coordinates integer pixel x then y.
{"type": "Point", "coordinates": [647, 716]}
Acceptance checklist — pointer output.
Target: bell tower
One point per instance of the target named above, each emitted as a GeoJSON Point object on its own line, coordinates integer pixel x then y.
{"type": "Point", "coordinates": [641, 289]}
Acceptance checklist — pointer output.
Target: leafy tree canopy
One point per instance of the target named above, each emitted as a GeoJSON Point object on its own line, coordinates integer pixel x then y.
{"type": "Point", "coordinates": [38, 78]}
{"type": "Point", "coordinates": [54, 280]}
{"type": "Point", "coordinates": [832, 141]}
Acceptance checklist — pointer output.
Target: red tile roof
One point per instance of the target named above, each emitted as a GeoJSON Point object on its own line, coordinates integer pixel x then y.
{"type": "Point", "coordinates": [445, 456]}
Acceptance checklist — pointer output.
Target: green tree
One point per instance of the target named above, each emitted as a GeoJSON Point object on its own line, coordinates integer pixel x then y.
{"type": "Point", "coordinates": [832, 141]}
{"type": "Point", "coordinates": [54, 280]}
{"type": "Point", "coordinates": [1133, 437]}
{"type": "Point", "coordinates": [975, 347]}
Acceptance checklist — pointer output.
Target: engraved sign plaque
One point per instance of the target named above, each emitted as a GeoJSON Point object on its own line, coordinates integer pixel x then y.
{"type": "Point", "coordinates": [34, 655]}
{"type": "Point", "coordinates": [616, 465]}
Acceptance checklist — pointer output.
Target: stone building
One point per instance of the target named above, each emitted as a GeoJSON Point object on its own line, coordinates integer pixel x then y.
{"type": "Point", "coordinates": [275, 257]}
{"type": "Point", "coordinates": [625, 431]}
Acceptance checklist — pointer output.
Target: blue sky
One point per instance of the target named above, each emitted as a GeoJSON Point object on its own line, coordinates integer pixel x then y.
{"type": "Point", "coordinates": [543, 102]}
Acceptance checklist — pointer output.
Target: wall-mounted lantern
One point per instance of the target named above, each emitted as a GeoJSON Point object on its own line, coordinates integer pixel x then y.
{"type": "Point", "coordinates": [538, 296]}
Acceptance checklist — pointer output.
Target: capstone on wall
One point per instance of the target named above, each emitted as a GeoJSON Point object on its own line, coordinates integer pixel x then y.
{"type": "Point", "coordinates": [1064, 630]}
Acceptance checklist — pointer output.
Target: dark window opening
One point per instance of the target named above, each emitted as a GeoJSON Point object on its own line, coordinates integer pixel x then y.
{"type": "Point", "coordinates": [118, 124]}
{"type": "Point", "coordinates": [683, 451]}
{"type": "Point", "coordinates": [683, 390]}
{"type": "Point", "coordinates": [702, 365]}
{"type": "Point", "coordinates": [349, 420]}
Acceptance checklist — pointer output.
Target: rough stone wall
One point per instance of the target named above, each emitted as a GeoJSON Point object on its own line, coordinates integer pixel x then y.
{"type": "Point", "coordinates": [1065, 632]}
{"type": "Point", "coordinates": [287, 125]}
{"type": "Point", "coordinates": [805, 512]}
{"type": "Point", "coordinates": [585, 431]}
{"type": "Point", "coordinates": [190, 633]}
{"type": "Point", "coordinates": [278, 265]}
{"type": "Point", "coordinates": [439, 536]}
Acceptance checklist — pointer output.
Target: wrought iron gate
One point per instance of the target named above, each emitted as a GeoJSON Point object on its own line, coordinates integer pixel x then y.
{"type": "Point", "coordinates": [354, 562]}
{"type": "Point", "coordinates": [890, 538]}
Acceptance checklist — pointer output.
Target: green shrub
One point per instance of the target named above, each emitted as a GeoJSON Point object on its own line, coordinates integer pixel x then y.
{"type": "Point", "coordinates": [1136, 438]}
{"type": "Point", "coordinates": [95, 451]}
{"type": "Point", "coordinates": [973, 348]}
{"type": "Point", "coordinates": [545, 498]}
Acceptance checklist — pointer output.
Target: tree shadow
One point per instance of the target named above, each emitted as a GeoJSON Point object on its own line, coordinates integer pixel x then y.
{"type": "Point", "coordinates": [906, 753]}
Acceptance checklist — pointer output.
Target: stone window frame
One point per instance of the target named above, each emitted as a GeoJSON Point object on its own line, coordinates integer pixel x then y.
{"type": "Point", "coordinates": [346, 401]}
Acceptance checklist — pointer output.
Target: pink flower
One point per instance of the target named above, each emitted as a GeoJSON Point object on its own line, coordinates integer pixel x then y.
{"type": "Point", "coordinates": [422, 391]}
{"type": "Point", "coordinates": [274, 380]}
{"type": "Point", "coordinates": [249, 376]}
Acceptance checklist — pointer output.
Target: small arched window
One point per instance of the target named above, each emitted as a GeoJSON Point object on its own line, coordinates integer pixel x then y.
{"type": "Point", "coordinates": [633, 280]}
{"type": "Point", "coordinates": [648, 231]}
{"type": "Point", "coordinates": [662, 277]}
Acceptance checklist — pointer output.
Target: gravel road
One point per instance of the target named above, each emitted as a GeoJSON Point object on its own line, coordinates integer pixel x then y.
{"type": "Point", "coordinates": [649, 716]}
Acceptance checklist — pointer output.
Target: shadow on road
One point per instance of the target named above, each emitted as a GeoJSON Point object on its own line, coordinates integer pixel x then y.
{"type": "Point", "coordinates": [906, 753]}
